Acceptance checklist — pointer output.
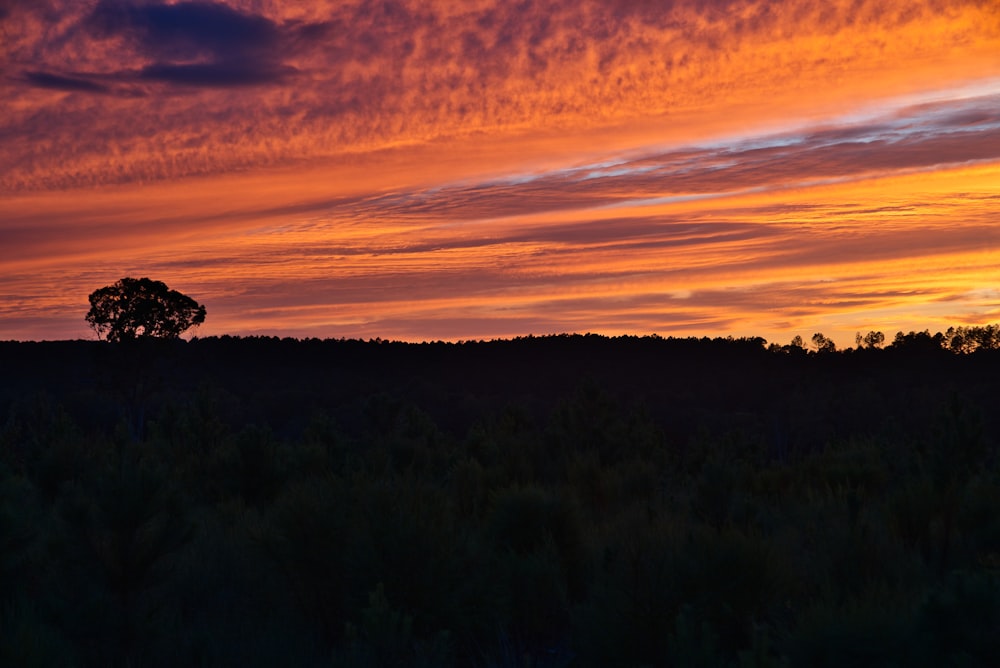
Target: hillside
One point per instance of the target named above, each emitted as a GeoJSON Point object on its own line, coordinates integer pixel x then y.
{"type": "Point", "coordinates": [543, 501]}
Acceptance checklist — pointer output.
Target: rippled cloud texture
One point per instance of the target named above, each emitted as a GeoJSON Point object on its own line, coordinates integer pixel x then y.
{"type": "Point", "coordinates": [474, 169]}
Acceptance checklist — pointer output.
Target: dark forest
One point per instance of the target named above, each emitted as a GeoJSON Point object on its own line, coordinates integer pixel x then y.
{"type": "Point", "coordinates": [559, 501]}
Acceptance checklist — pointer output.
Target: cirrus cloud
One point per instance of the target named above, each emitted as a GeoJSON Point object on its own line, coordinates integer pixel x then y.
{"type": "Point", "coordinates": [402, 167]}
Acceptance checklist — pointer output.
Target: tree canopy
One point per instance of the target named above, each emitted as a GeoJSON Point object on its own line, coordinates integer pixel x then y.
{"type": "Point", "coordinates": [141, 308]}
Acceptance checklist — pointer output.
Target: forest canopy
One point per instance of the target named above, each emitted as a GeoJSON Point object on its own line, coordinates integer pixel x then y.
{"type": "Point", "coordinates": [573, 501]}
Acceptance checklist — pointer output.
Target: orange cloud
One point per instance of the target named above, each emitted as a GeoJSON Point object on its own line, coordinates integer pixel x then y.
{"type": "Point", "coordinates": [336, 78]}
{"type": "Point", "coordinates": [476, 169]}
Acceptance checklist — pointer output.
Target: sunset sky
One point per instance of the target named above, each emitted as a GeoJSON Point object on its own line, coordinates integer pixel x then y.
{"type": "Point", "coordinates": [477, 169]}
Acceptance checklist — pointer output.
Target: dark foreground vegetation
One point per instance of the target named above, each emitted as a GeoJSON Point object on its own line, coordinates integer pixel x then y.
{"type": "Point", "coordinates": [558, 501]}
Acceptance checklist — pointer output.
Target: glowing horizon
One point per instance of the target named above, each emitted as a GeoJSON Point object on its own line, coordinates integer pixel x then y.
{"type": "Point", "coordinates": [471, 170]}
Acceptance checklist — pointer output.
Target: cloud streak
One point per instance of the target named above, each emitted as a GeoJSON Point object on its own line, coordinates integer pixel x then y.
{"type": "Point", "coordinates": [64, 83]}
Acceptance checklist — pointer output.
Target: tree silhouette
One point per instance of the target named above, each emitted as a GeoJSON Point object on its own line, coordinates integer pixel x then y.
{"type": "Point", "coordinates": [135, 308]}
{"type": "Point", "coordinates": [869, 340]}
{"type": "Point", "coordinates": [972, 338]}
{"type": "Point", "coordinates": [823, 344]}
{"type": "Point", "coordinates": [919, 341]}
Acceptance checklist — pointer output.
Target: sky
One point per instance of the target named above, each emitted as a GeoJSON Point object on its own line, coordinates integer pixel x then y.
{"type": "Point", "coordinates": [477, 169]}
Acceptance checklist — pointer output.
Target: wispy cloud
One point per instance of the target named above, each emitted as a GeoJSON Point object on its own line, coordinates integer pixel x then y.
{"type": "Point", "coordinates": [323, 78]}
{"type": "Point", "coordinates": [466, 169]}
{"type": "Point", "coordinates": [60, 82]}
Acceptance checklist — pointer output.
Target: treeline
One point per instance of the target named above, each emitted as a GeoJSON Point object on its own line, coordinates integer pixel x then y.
{"type": "Point", "coordinates": [553, 501]}
{"type": "Point", "coordinates": [962, 339]}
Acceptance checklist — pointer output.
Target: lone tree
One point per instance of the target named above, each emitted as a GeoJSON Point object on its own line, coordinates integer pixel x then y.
{"type": "Point", "coordinates": [141, 308]}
